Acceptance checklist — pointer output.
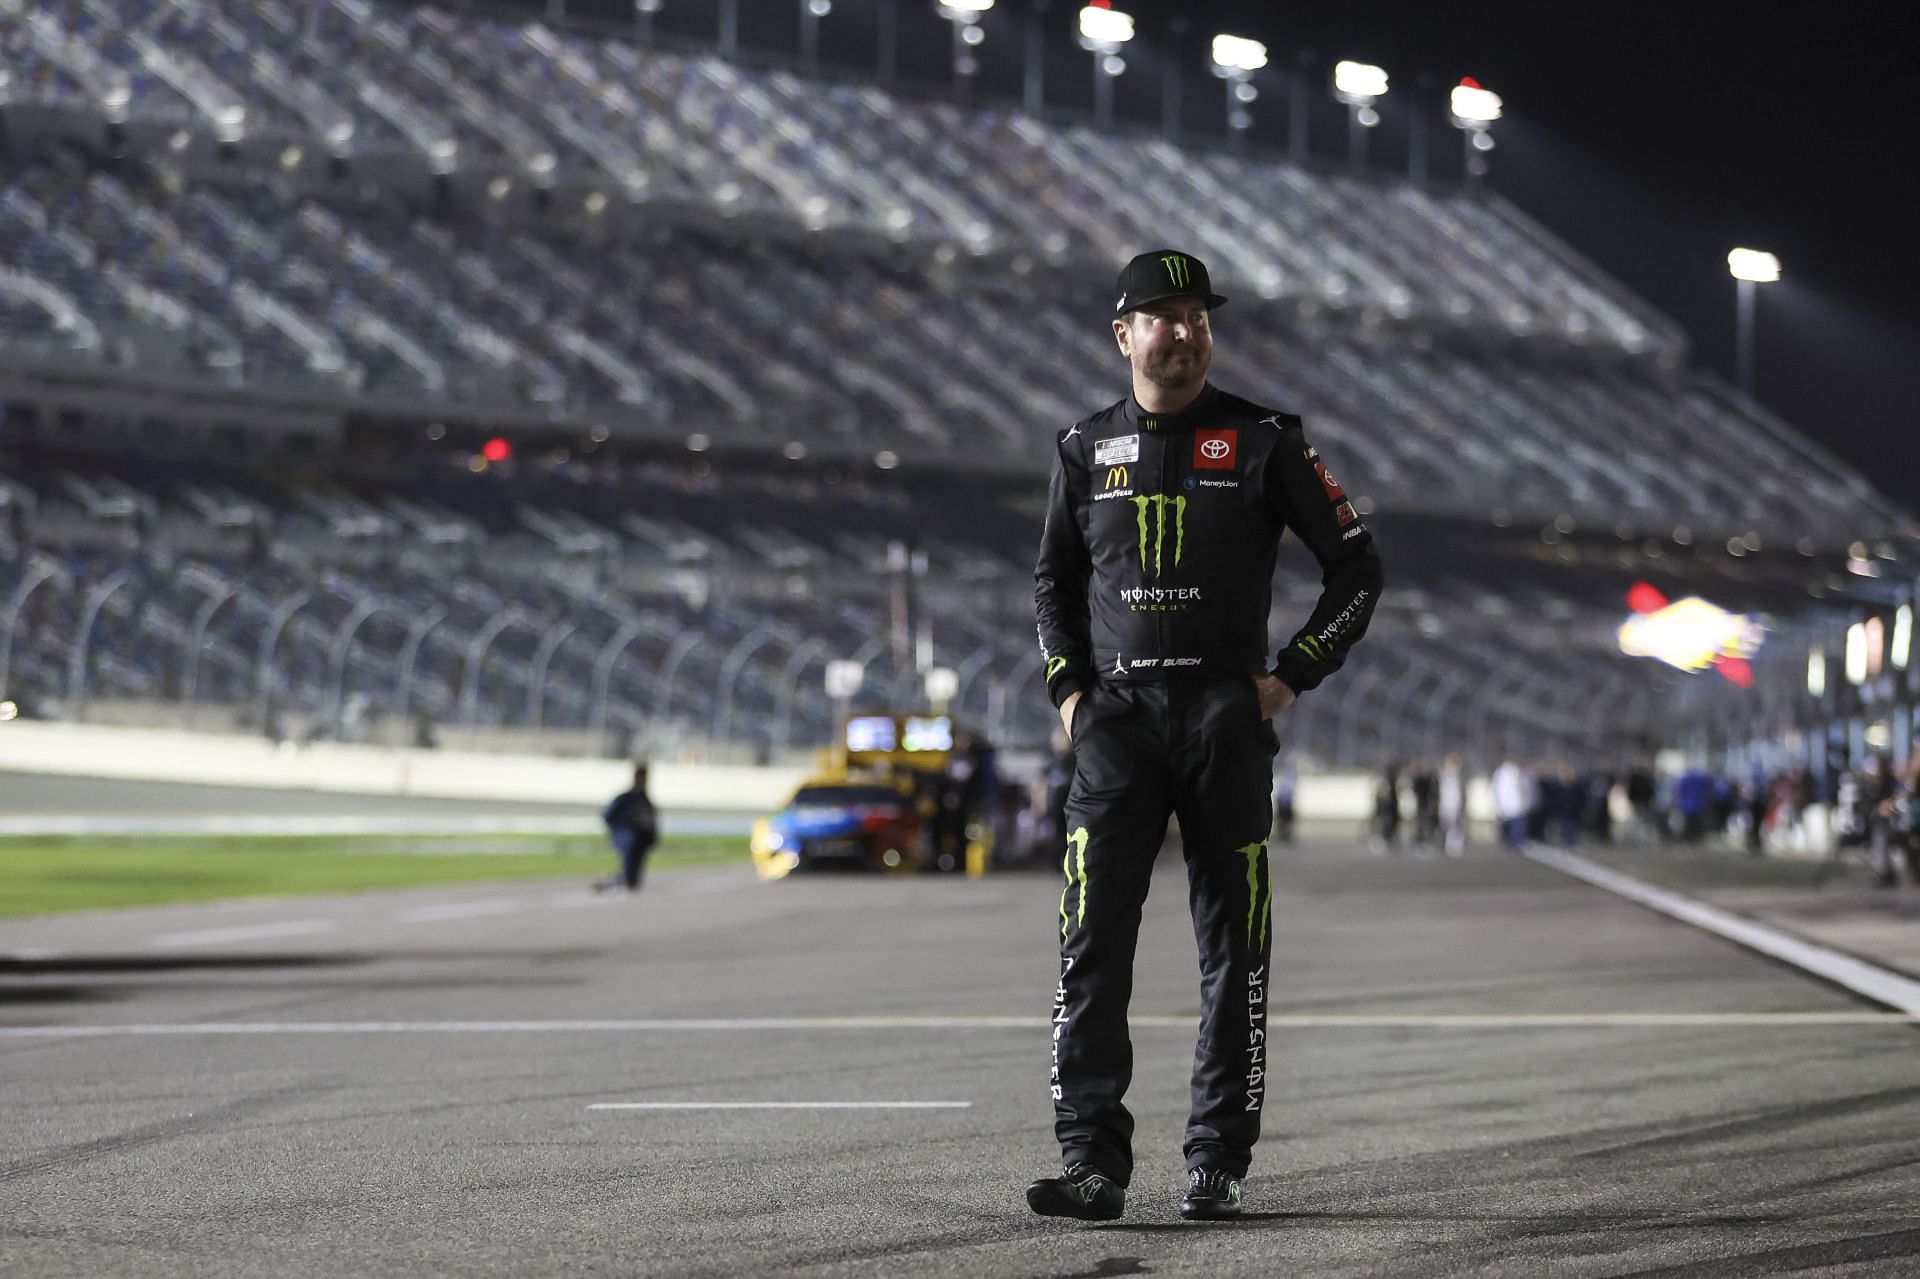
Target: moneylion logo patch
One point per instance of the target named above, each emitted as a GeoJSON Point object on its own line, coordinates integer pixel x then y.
{"type": "Point", "coordinates": [1158, 504]}
{"type": "Point", "coordinates": [1177, 273]}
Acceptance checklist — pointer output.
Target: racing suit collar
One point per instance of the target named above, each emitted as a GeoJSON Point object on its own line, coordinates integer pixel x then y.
{"type": "Point", "coordinates": [1186, 418]}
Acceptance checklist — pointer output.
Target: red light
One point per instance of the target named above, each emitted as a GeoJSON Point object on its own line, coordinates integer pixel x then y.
{"type": "Point", "coordinates": [1738, 670]}
{"type": "Point", "coordinates": [496, 450]}
{"type": "Point", "coordinates": [1099, 4]}
{"type": "Point", "coordinates": [1468, 82]}
{"type": "Point", "coordinates": [1643, 598]}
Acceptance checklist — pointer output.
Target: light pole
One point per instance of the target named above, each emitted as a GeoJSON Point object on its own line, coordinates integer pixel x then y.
{"type": "Point", "coordinates": [1235, 59]}
{"type": "Point", "coordinates": [1474, 110]}
{"type": "Point", "coordinates": [1749, 267]}
{"type": "Point", "coordinates": [811, 11]}
{"type": "Point", "coordinates": [967, 36]}
{"type": "Point", "coordinates": [1359, 85]}
{"type": "Point", "coordinates": [1103, 31]}
{"type": "Point", "coordinates": [643, 11]}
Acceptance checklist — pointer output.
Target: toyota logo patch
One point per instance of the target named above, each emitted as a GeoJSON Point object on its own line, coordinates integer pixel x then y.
{"type": "Point", "coordinates": [1214, 450]}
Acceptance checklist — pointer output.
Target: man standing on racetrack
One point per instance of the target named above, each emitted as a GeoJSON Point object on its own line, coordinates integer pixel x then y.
{"type": "Point", "coordinates": [1154, 584]}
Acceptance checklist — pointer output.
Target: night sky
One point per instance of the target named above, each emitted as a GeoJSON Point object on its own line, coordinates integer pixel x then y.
{"type": "Point", "coordinates": [1653, 138]}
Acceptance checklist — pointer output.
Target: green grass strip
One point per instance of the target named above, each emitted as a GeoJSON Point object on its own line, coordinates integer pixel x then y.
{"type": "Point", "coordinates": [42, 875]}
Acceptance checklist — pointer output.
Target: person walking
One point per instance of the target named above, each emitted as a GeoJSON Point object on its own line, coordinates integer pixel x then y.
{"type": "Point", "coordinates": [632, 828]}
{"type": "Point", "coordinates": [1152, 592]}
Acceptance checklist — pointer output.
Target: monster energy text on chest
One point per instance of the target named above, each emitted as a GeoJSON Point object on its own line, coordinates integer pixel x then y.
{"type": "Point", "coordinates": [1160, 599]}
{"type": "Point", "coordinates": [1112, 452]}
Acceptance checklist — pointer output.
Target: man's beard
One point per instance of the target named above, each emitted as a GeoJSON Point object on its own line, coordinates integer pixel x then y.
{"type": "Point", "coordinates": [1162, 371]}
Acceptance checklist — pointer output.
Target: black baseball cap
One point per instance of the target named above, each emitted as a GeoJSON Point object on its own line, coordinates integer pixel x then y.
{"type": "Point", "coordinates": [1164, 273]}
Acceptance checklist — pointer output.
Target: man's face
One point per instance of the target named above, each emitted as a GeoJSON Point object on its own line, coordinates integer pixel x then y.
{"type": "Point", "coordinates": [1169, 343]}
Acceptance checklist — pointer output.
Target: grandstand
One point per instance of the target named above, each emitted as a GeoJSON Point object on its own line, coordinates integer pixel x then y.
{"type": "Point", "coordinates": [774, 364]}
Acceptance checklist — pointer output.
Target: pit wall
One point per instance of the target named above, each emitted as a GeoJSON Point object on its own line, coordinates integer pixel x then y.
{"type": "Point", "coordinates": [172, 755]}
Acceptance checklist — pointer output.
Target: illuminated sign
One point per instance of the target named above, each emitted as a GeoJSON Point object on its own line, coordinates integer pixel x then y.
{"type": "Point", "coordinates": [1902, 637]}
{"type": "Point", "coordinates": [928, 733]}
{"type": "Point", "coordinates": [1817, 673]}
{"type": "Point", "coordinates": [1857, 653]}
{"type": "Point", "coordinates": [870, 733]}
{"type": "Point", "coordinates": [1691, 634]}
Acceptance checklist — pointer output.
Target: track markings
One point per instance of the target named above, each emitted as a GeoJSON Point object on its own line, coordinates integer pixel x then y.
{"type": "Point", "coordinates": [245, 932]}
{"type": "Point", "coordinates": [1867, 980]}
{"type": "Point", "coordinates": [1317, 1021]}
{"type": "Point", "coordinates": [458, 910]}
{"type": "Point", "coordinates": [781, 1105]}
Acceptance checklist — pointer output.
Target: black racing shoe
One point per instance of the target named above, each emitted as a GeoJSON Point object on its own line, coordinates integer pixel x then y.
{"type": "Point", "coordinates": [1212, 1195]}
{"type": "Point", "coordinates": [1082, 1191]}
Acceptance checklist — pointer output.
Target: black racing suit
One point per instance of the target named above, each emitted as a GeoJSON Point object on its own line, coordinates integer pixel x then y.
{"type": "Point", "coordinates": [1154, 584]}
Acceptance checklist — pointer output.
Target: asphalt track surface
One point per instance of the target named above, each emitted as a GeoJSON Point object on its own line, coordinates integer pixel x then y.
{"type": "Point", "coordinates": [1481, 1067]}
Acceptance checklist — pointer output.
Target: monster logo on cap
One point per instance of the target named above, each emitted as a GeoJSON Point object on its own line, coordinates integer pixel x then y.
{"type": "Point", "coordinates": [1161, 274]}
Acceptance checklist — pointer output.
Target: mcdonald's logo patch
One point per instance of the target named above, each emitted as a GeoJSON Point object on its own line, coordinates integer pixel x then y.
{"type": "Point", "coordinates": [1215, 450]}
{"type": "Point", "coordinates": [1118, 477]}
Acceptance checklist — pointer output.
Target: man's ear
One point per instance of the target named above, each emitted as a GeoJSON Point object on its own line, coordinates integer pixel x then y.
{"type": "Point", "coordinates": [1120, 336]}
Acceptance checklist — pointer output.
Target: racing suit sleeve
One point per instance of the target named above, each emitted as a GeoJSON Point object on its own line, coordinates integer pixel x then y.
{"type": "Point", "coordinates": [1060, 607]}
{"type": "Point", "coordinates": [1301, 493]}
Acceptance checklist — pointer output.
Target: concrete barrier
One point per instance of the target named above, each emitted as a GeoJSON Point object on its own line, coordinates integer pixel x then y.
{"type": "Point", "coordinates": [220, 759]}
{"type": "Point", "coordinates": [166, 755]}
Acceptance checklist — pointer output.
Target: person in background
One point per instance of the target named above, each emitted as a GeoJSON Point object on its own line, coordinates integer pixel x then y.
{"type": "Point", "coordinates": [1286, 779]}
{"type": "Point", "coordinates": [1453, 806]}
{"type": "Point", "coordinates": [1425, 785]}
{"type": "Point", "coordinates": [1879, 806]}
{"type": "Point", "coordinates": [1386, 810]}
{"type": "Point", "coordinates": [1641, 792]}
{"type": "Point", "coordinates": [1512, 802]}
{"type": "Point", "coordinates": [633, 828]}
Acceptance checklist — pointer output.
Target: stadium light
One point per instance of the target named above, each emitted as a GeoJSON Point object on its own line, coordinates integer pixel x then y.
{"type": "Point", "coordinates": [1474, 106]}
{"type": "Point", "coordinates": [967, 35]}
{"type": "Point", "coordinates": [1753, 265]}
{"type": "Point", "coordinates": [1359, 85]}
{"type": "Point", "coordinates": [1474, 109]}
{"type": "Point", "coordinates": [1235, 59]}
{"type": "Point", "coordinates": [1104, 30]}
{"type": "Point", "coordinates": [1101, 23]}
{"type": "Point", "coordinates": [1358, 82]}
{"type": "Point", "coordinates": [1237, 53]}
{"type": "Point", "coordinates": [1748, 267]}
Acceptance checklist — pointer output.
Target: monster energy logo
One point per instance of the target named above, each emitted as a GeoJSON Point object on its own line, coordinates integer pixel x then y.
{"type": "Point", "coordinates": [1176, 269]}
{"type": "Point", "coordinates": [1255, 855]}
{"type": "Point", "coordinates": [1076, 849]}
{"type": "Point", "coordinates": [1159, 502]}
{"type": "Point", "coordinates": [1312, 648]}
{"type": "Point", "coordinates": [1053, 666]}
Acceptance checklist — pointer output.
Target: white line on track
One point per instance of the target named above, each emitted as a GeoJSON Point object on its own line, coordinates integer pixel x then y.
{"type": "Point", "coordinates": [781, 1105]}
{"type": "Point", "coordinates": [1320, 1021]}
{"type": "Point", "coordinates": [458, 910]}
{"type": "Point", "coordinates": [245, 932]}
{"type": "Point", "coordinates": [1869, 980]}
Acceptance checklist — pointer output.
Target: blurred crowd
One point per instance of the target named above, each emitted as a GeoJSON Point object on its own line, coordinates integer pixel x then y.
{"type": "Point", "coordinates": [1873, 807]}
